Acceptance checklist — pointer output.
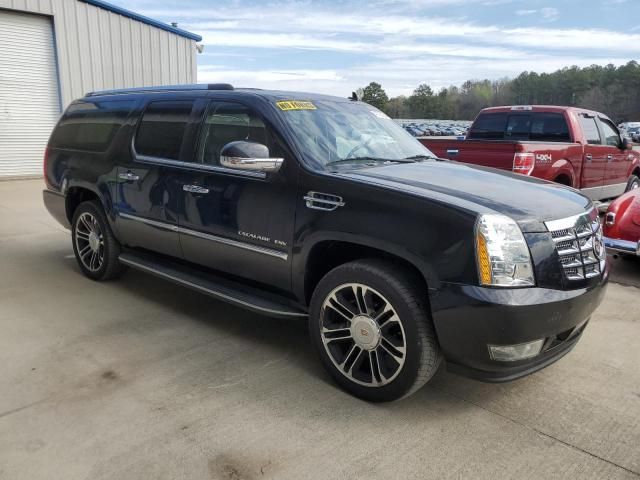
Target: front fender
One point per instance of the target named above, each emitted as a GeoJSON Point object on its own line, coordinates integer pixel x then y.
{"type": "Point", "coordinates": [301, 260]}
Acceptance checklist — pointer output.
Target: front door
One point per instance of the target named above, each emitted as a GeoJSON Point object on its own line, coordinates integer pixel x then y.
{"type": "Point", "coordinates": [594, 163]}
{"type": "Point", "coordinates": [233, 221]}
{"type": "Point", "coordinates": [615, 180]}
{"type": "Point", "coordinates": [149, 183]}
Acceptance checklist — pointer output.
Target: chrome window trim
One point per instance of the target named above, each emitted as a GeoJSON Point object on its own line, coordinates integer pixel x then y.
{"type": "Point", "coordinates": [206, 236]}
{"type": "Point", "coordinates": [201, 167]}
{"type": "Point", "coordinates": [196, 166]}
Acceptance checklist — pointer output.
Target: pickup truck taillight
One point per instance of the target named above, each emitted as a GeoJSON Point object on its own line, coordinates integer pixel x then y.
{"type": "Point", "coordinates": [524, 163]}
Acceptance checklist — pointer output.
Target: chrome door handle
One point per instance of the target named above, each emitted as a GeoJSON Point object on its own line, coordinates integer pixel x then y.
{"type": "Point", "coordinates": [609, 158]}
{"type": "Point", "coordinates": [589, 157]}
{"type": "Point", "coordinates": [195, 189]}
{"type": "Point", "coordinates": [129, 176]}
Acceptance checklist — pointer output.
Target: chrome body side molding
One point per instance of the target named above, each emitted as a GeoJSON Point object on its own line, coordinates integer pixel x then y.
{"type": "Point", "coordinates": [206, 236]}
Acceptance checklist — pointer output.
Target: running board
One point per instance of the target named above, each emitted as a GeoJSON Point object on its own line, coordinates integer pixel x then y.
{"type": "Point", "coordinates": [215, 286]}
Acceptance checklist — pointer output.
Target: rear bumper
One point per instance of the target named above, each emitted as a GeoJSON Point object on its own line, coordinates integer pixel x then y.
{"type": "Point", "coordinates": [622, 246]}
{"type": "Point", "coordinates": [56, 205]}
{"type": "Point", "coordinates": [468, 319]}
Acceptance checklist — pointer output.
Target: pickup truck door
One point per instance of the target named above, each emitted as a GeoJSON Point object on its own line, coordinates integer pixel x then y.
{"type": "Point", "coordinates": [594, 164]}
{"type": "Point", "coordinates": [234, 221]}
{"type": "Point", "coordinates": [615, 180]}
{"type": "Point", "coordinates": [148, 183]}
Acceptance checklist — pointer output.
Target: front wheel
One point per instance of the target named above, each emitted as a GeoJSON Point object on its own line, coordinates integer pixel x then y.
{"type": "Point", "coordinates": [372, 330]}
{"type": "Point", "coordinates": [633, 184]}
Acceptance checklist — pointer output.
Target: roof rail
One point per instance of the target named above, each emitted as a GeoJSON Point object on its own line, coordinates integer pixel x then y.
{"type": "Point", "coordinates": [164, 88]}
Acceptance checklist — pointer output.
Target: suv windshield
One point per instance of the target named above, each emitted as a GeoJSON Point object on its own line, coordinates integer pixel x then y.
{"type": "Point", "coordinates": [332, 133]}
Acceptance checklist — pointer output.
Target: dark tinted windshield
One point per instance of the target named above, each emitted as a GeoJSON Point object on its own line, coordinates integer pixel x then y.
{"type": "Point", "coordinates": [535, 126]}
{"type": "Point", "coordinates": [329, 132]}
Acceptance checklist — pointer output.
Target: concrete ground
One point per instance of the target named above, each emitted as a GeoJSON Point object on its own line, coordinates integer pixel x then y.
{"type": "Point", "coordinates": [140, 379]}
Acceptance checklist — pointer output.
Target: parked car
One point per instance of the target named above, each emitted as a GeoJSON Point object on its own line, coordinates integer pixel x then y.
{"type": "Point", "coordinates": [322, 208]}
{"type": "Point", "coordinates": [622, 224]}
{"type": "Point", "coordinates": [571, 146]}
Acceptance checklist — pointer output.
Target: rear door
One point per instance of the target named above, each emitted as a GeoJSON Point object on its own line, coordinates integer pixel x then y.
{"type": "Point", "coordinates": [615, 180]}
{"type": "Point", "coordinates": [149, 181]}
{"type": "Point", "coordinates": [238, 222]}
{"type": "Point", "coordinates": [595, 157]}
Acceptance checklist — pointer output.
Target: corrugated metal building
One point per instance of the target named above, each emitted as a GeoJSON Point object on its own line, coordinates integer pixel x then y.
{"type": "Point", "coordinates": [53, 51]}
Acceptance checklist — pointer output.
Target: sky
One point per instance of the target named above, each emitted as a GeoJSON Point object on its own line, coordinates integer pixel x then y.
{"type": "Point", "coordinates": [338, 46]}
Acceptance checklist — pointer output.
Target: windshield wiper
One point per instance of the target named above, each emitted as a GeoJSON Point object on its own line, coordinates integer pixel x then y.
{"type": "Point", "coordinates": [369, 159]}
{"type": "Point", "coordinates": [421, 157]}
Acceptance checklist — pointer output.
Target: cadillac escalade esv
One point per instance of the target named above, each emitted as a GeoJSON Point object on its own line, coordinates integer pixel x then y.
{"type": "Point", "coordinates": [578, 148]}
{"type": "Point", "coordinates": [316, 207]}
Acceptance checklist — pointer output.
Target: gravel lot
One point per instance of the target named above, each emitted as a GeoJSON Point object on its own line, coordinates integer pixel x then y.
{"type": "Point", "coordinates": [139, 378]}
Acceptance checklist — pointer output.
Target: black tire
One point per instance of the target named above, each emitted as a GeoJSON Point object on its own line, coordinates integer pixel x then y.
{"type": "Point", "coordinates": [396, 286]}
{"type": "Point", "coordinates": [633, 183]}
{"type": "Point", "coordinates": [109, 248]}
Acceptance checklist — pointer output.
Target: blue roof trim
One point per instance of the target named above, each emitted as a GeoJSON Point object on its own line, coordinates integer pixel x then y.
{"type": "Point", "coordinates": [143, 19]}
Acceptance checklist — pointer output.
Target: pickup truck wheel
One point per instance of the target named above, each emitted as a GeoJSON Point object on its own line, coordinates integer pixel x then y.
{"type": "Point", "coordinates": [634, 182]}
{"type": "Point", "coordinates": [372, 330]}
{"type": "Point", "coordinates": [95, 247]}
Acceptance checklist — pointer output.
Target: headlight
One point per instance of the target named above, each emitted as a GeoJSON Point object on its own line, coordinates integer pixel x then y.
{"type": "Point", "coordinates": [502, 253]}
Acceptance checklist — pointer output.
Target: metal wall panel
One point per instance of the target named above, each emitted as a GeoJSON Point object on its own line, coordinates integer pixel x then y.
{"type": "Point", "coordinates": [99, 49]}
{"type": "Point", "coordinates": [89, 48]}
{"type": "Point", "coordinates": [29, 103]}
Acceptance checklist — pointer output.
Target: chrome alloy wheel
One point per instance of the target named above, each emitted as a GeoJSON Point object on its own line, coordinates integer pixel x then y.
{"type": "Point", "coordinates": [89, 242]}
{"type": "Point", "coordinates": [363, 335]}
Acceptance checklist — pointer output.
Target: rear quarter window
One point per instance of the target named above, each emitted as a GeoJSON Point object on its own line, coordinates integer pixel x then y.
{"type": "Point", "coordinates": [531, 126]}
{"type": "Point", "coordinates": [90, 125]}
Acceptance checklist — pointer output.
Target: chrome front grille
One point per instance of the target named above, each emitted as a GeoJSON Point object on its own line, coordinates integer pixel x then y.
{"type": "Point", "coordinates": [578, 241]}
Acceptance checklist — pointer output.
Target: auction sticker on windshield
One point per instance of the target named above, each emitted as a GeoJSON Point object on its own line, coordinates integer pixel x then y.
{"type": "Point", "coordinates": [287, 105]}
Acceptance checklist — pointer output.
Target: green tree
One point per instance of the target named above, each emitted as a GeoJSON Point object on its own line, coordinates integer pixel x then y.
{"type": "Point", "coordinates": [374, 94]}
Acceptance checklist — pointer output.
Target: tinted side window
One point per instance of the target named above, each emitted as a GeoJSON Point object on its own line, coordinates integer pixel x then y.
{"type": "Point", "coordinates": [162, 129]}
{"type": "Point", "coordinates": [611, 135]}
{"type": "Point", "coordinates": [228, 122]}
{"type": "Point", "coordinates": [590, 130]}
{"type": "Point", "coordinates": [90, 125]}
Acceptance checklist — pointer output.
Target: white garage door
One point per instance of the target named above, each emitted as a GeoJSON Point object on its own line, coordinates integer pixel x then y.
{"type": "Point", "coordinates": [29, 104]}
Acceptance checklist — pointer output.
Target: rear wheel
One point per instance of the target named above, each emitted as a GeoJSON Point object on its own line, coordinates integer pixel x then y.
{"type": "Point", "coordinates": [373, 331]}
{"type": "Point", "coordinates": [633, 184]}
{"type": "Point", "coordinates": [95, 247]}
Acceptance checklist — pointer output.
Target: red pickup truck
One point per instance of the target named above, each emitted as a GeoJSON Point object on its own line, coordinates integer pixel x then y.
{"type": "Point", "coordinates": [575, 147]}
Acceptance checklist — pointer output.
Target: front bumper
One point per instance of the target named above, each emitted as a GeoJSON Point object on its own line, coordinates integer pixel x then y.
{"type": "Point", "coordinates": [622, 246]}
{"type": "Point", "coordinates": [468, 319]}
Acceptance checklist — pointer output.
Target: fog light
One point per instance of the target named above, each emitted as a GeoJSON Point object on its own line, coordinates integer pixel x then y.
{"type": "Point", "coordinates": [511, 353]}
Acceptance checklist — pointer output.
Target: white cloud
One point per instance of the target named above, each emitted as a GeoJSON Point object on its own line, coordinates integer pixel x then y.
{"type": "Point", "coordinates": [386, 41]}
{"type": "Point", "coordinates": [550, 13]}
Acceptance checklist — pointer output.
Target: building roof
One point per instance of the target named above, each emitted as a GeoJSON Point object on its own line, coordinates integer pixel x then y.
{"type": "Point", "coordinates": [143, 19]}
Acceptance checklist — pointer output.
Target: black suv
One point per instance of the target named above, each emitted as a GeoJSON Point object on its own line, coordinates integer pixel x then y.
{"type": "Point", "coordinates": [310, 206]}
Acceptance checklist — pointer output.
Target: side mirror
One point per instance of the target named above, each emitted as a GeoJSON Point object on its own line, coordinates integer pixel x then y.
{"type": "Point", "coordinates": [625, 145]}
{"type": "Point", "coordinates": [252, 156]}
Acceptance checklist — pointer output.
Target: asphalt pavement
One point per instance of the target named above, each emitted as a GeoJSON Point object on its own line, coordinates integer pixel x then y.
{"type": "Point", "coordinates": [141, 379]}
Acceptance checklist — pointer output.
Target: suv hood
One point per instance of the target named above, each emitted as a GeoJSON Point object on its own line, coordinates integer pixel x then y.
{"type": "Point", "coordinates": [529, 201]}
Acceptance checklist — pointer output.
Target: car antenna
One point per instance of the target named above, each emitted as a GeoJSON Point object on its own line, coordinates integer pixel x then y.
{"type": "Point", "coordinates": [353, 97]}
